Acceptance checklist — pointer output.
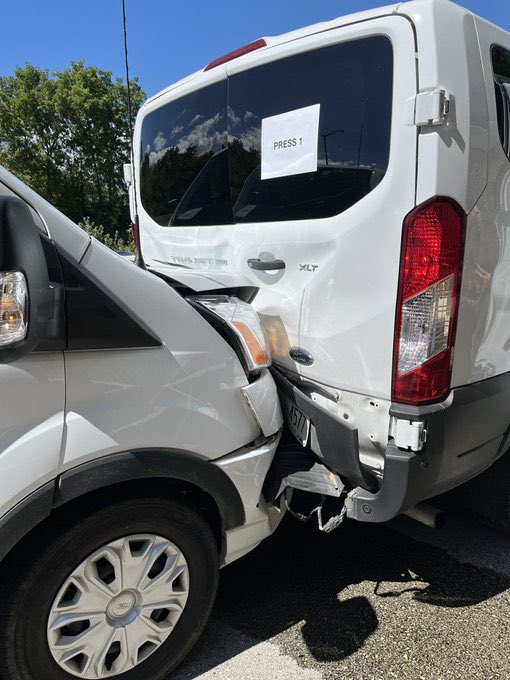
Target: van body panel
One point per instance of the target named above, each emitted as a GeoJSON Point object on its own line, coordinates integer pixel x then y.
{"type": "Point", "coordinates": [198, 281]}
{"type": "Point", "coordinates": [338, 306]}
{"type": "Point", "coordinates": [272, 41]}
{"type": "Point", "coordinates": [333, 302]}
{"type": "Point", "coordinates": [184, 390]}
{"type": "Point", "coordinates": [483, 335]}
{"type": "Point", "coordinates": [31, 424]}
{"type": "Point", "coordinates": [159, 388]}
{"type": "Point", "coordinates": [146, 397]}
{"type": "Point", "coordinates": [452, 158]}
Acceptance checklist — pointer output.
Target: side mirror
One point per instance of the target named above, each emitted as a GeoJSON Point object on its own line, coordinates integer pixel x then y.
{"type": "Point", "coordinates": [26, 298]}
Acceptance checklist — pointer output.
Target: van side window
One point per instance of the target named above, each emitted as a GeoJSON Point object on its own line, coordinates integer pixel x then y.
{"type": "Point", "coordinates": [183, 175]}
{"type": "Point", "coordinates": [501, 68]}
{"type": "Point", "coordinates": [201, 153]}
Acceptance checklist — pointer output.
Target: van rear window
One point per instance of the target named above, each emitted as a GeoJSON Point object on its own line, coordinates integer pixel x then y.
{"type": "Point", "coordinates": [501, 68]}
{"type": "Point", "coordinates": [201, 154]}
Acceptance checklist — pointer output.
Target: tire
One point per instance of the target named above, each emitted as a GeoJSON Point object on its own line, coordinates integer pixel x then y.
{"type": "Point", "coordinates": [487, 496]}
{"type": "Point", "coordinates": [101, 553]}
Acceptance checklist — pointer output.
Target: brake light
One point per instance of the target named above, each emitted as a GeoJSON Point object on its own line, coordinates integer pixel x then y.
{"type": "Point", "coordinates": [135, 236]}
{"type": "Point", "coordinates": [251, 47]}
{"type": "Point", "coordinates": [427, 304]}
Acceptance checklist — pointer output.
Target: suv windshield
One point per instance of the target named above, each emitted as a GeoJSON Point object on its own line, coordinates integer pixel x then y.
{"type": "Point", "coordinates": [201, 153]}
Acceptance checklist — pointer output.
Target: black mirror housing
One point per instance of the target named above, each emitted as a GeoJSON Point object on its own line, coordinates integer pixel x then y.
{"type": "Point", "coordinates": [21, 250]}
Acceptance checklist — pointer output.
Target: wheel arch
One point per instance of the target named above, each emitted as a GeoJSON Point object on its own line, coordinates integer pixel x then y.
{"type": "Point", "coordinates": [197, 480]}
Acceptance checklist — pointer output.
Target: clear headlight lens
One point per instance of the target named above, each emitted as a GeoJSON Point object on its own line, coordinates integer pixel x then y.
{"type": "Point", "coordinates": [244, 322]}
{"type": "Point", "coordinates": [13, 300]}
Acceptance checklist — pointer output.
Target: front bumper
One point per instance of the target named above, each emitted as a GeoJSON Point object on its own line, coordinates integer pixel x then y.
{"type": "Point", "coordinates": [248, 469]}
{"type": "Point", "coordinates": [466, 433]}
{"type": "Point", "coordinates": [262, 399]}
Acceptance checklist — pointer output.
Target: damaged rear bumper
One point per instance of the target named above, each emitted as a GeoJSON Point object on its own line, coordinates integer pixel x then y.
{"type": "Point", "coordinates": [466, 433]}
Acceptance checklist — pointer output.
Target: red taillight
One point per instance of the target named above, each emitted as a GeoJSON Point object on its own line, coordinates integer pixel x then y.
{"type": "Point", "coordinates": [135, 235]}
{"type": "Point", "coordinates": [430, 271]}
{"type": "Point", "coordinates": [255, 45]}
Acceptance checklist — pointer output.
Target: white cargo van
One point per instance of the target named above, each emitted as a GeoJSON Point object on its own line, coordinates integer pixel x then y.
{"type": "Point", "coordinates": [357, 172]}
{"type": "Point", "coordinates": [136, 430]}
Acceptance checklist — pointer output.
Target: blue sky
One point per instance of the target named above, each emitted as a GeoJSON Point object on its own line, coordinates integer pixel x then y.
{"type": "Point", "coordinates": [167, 38]}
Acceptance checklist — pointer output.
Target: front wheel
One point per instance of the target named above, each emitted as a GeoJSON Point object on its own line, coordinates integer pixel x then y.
{"type": "Point", "coordinates": [124, 593]}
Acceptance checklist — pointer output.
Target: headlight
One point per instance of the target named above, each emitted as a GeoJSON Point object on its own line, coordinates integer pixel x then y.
{"type": "Point", "coordinates": [13, 299]}
{"type": "Point", "coordinates": [243, 324]}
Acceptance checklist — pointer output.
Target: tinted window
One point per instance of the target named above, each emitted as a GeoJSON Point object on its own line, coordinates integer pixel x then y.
{"type": "Point", "coordinates": [352, 82]}
{"type": "Point", "coordinates": [501, 68]}
{"type": "Point", "coordinates": [184, 175]}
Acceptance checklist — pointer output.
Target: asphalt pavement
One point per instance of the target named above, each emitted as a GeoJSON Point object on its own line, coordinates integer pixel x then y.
{"type": "Point", "coordinates": [365, 602]}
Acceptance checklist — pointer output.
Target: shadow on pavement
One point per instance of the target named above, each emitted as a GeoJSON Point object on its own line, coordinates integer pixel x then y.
{"type": "Point", "coordinates": [299, 575]}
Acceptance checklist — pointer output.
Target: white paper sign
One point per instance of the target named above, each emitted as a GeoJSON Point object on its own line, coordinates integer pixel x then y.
{"type": "Point", "coordinates": [289, 142]}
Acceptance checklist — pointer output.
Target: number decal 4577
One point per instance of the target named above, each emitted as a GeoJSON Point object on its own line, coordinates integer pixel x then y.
{"type": "Point", "coordinates": [298, 423]}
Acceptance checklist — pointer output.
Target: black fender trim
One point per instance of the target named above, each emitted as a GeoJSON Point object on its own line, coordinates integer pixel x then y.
{"type": "Point", "coordinates": [24, 516]}
{"type": "Point", "coordinates": [114, 469]}
{"type": "Point", "coordinates": [154, 464]}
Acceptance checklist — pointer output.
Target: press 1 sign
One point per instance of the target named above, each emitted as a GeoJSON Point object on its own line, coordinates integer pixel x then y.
{"type": "Point", "coordinates": [289, 142]}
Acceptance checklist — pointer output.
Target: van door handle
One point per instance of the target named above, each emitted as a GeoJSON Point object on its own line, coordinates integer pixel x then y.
{"type": "Point", "coordinates": [265, 265]}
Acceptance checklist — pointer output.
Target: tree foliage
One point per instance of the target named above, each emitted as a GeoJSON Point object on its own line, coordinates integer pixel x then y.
{"type": "Point", "coordinates": [119, 241]}
{"type": "Point", "coordinates": [67, 136]}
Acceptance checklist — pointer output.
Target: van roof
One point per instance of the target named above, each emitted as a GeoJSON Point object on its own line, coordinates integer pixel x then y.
{"type": "Point", "coordinates": [411, 9]}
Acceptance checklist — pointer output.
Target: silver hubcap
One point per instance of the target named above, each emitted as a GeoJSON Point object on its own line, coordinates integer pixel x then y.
{"type": "Point", "coordinates": [118, 606]}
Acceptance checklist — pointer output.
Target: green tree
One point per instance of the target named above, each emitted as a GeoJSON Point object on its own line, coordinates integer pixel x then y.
{"type": "Point", "coordinates": [115, 241]}
{"type": "Point", "coordinates": [67, 136]}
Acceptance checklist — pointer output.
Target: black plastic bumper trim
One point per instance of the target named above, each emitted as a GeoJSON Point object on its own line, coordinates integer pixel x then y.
{"type": "Point", "coordinates": [337, 439]}
{"type": "Point", "coordinates": [466, 434]}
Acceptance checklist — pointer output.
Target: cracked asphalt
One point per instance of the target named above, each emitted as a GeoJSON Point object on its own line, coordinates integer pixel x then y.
{"type": "Point", "coordinates": [365, 602]}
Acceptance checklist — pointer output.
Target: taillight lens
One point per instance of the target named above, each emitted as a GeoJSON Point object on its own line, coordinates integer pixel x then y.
{"type": "Point", "coordinates": [430, 272]}
{"type": "Point", "coordinates": [135, 236]}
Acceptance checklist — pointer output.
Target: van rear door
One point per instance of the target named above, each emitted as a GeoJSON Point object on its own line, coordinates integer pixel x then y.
{"type": "Point", "coordinates": [338, 229]}
{"type": "Point", "coordinates": [314, 218]}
